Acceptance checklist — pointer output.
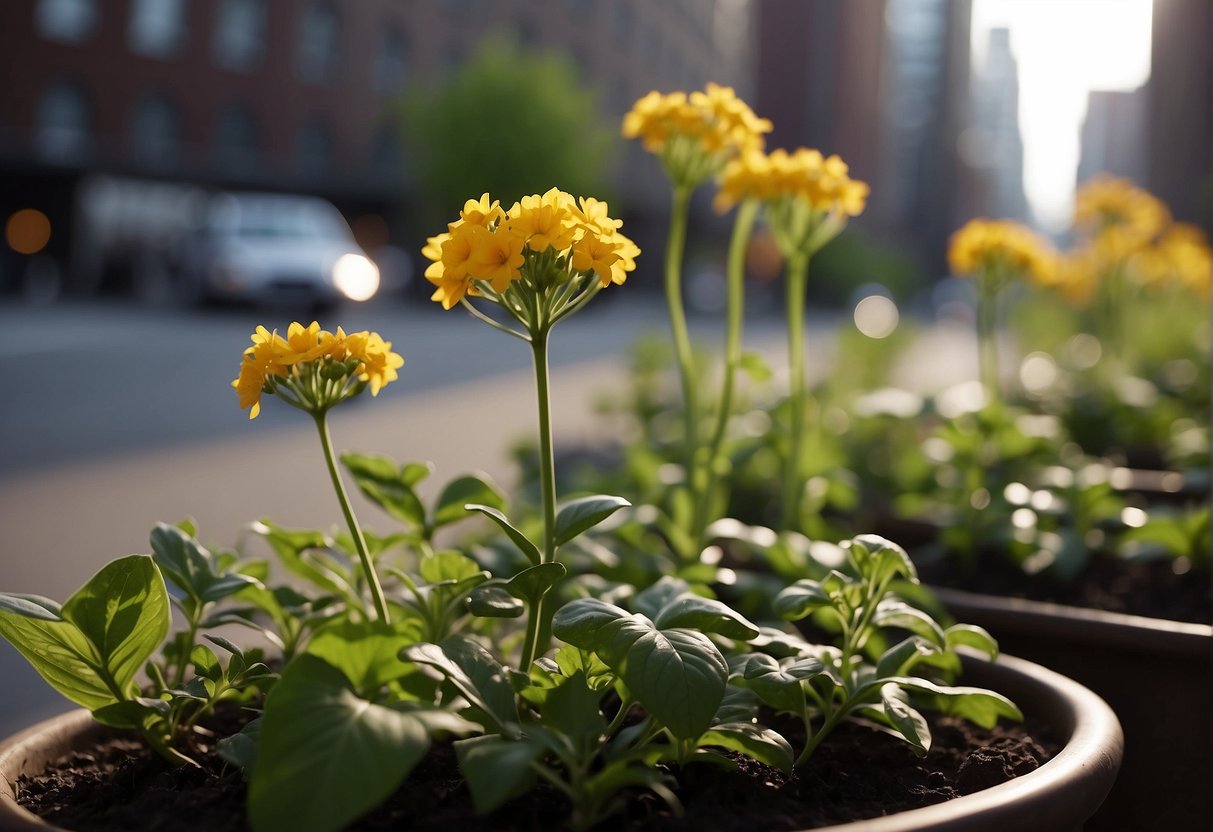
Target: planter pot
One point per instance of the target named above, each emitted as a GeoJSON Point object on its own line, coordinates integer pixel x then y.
{"type": "Point", "coordinates": [1158, 677]}
{"type": "Point", "coordinates": [1057, 797]}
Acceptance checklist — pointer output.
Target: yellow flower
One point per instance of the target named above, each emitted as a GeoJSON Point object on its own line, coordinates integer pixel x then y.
{"type": "Point", "coordinates": [263, 359]}
{"type": "Point", "coordinates": [451, 272]}
{"type": "Point", "coordinates": [1123, 215]}
{"type": "Point", "coordinates": [497, 257]}
{"type": "Point", "coordinates": [305, 343]}
{"type": "Point", "coordinates": [379, 363]}
{"type": "Point", "coordinates": [695, 134]}
{"type": "Point", "coordinates": [823, 184]}
{"type": "Point", "coordinates": [1181, 257]}
{"type": "Point", "coordinates": [483, 212]}
{"type": "Point", "coordinates": [597, 253]}
{"type": "Point", "coordinates": [1000, 246]}
{"type": "Point", "coordinates": [543, 221]}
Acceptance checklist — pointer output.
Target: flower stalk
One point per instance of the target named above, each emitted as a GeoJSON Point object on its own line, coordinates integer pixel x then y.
{"type": "Point", "coordinates": [793, 485]}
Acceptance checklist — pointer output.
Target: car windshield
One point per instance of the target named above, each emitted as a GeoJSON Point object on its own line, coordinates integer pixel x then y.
{"type": "Point", "coordinates": [283, 221]}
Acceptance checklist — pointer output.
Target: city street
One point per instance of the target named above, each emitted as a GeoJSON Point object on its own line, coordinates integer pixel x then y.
{"type": "Point", "coordinates": [116, 417]}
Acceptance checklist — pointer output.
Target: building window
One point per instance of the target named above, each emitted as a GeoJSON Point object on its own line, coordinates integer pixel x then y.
{"type": "Point", "coordinates": [64, 121]}
{"type": "Point", "coordinates": [391, 64]}
{"type": "Point", "coordinates": [239, 34]}
{"type": "Point", "coordinates": [319, 51]}
{"type": "Point", "coordinates": [70, 21]}
{"type": "Point", "coordinates": [236, 140]}
{"type": "Point", "coordinates": [156, 28]}
{"type": "Point", "coordinates": [314, 150]}
{"type": "Point", "coordinates": [156, 132]}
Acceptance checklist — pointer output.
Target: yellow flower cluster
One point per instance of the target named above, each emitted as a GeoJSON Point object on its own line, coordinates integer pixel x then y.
{"type": "Point", "coordinates": [1118, 215]}
{"type": "Point", "coordinates": [272, 355]}
{"type": "Point", "coordinates": [821, 182]}
{"type": "Point", "coordinates": [1181, 256]}
{"type": "Point", "coordinates": [490, 244]}
{"type": "Point", "coordinates": [715, 118]}
{"type": "Point", "coordinates": [1001, 245]}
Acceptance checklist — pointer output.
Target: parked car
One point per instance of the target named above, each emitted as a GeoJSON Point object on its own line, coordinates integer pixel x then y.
{"type": "Point", "coordinates": [276, 249]}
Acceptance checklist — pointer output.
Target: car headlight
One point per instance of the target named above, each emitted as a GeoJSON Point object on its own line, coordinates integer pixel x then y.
{"type": "Point", "coordinates": [356, 277]}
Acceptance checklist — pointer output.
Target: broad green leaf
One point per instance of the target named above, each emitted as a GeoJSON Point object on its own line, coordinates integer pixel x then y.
{"type": "Point", "coordinates": [367, 652]}
{"type": "Point", "coordinates": [459, 492]}
{"type": "Point", "coordinates": [497, 769]}
{"type": "Point", "coordinates": [894, 613]}
{"type": "Point", "coordinates": [572, 709]}
{"type": "Point", "coordinates": [650, 600]}
{"type": "Point", "coordinates": [290, 546]}
{"type": "Point", "coordinates": [800, 599]}
{"type": "Point", "coordinates": [389, 487]}
{"type": "Point", "coordinates": [67, 658]}
{"type": "Point", "coordinates": [678, 675]}
{"type": "Point", "coordinates": [738, 705]}
{"type": "Point", "coordinates": [570, 660]}
{"type": "Point", "coordinates": [241, 749]}
{"type": "Point", "coordinates": [970, 635]}
{"type": "Point", "coordinates": [879, 559]}
{"type": "Point", "coordinates": [326, 756]}
{"type": "Point", "coordinates": [136, 713]}
{"type": "Point", "coordinates": [576, 516]}
{"type": "Point", "coordinates": [447, 566]}
{"type": "Point", "coordinates": [707, 616]}
{"type": "Point", "coordinates": [532, 584]}
{"type": "Point", "coordinates": [755, 367]}
{"type": "Point", "coordinates": [777, 682]}
{"type": "Point", "coordinates": [898, 659]}
{"type": "Point", "coordinates": [31, 606]}
{"type": "Point", "coordinates": [524, 543]}
{"type": "Point", "coordinates": [124, 612]}
{"type": "Point", "coordinates": [906, 721]}
{"type": "Point", "coordinates": [754, 741]}
{"type": "Point", "coordinates": [191, 567]}
{"type": "Point", "coordinates": [477, 676]}
{"type": "Point", "coordinates": [979, 706]}
{"type": "Point", "coordinates": [206, 664]}
{"type": "Point", "coordinates": [494, 601]}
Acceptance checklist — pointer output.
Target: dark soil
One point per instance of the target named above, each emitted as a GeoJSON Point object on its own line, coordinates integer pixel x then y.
{"type": "Point", "coordinates": [857, 773]}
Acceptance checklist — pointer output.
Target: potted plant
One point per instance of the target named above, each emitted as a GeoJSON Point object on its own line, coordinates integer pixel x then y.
{"type": "Point", "coordinates": [537, 679]}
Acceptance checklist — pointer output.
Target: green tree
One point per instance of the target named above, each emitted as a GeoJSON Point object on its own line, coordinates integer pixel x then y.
{"type": "Point", "coordinates": [510, 122]}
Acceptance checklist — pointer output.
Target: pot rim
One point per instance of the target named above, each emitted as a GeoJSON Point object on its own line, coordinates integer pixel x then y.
{"type": "Point", "coordinates": [1073, 784]}
{"type": "Point", "coordinates": [1007, 614]}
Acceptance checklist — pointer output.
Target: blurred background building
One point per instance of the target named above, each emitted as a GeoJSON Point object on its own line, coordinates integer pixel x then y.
{"type": "Point", "coordinates": [117, 116]}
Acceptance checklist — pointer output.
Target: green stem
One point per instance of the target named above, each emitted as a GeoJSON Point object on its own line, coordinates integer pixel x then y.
{"type": "Point", "coordinates": [987, 335]}
{"type": "Point", "coordinates": [533, 645]}
{"type": "Point", "coordinates": [798, 274]}
{"type": "Point", "coordinates": [675, 247]}
{"type": "Point", "coordinates": [372, 577]}
{"type": "Point", "coordinates": [743, 225]}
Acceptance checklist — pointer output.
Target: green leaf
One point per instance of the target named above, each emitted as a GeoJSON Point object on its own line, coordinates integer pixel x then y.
{"type": "Point", "coordinates": [389, 487]}
{"type": "Point", "coordinates": [494, 601]}
{"type": "Point", "coordinates": [108, 630]}
{"type": "Point", "coordinates": [800, 599]}
{"type": "Point", "coordinates": [979, 706]}
{"type": "Point", "coordinates": [572, 709]}
{"type": "Point", "coordinates": [894, 613]}
{"type": "Point", "coordinates": [31, 606]}
{"type": "Point", "coordinates": [902, 656]}
{"type": "Point", "coordinates": [777, 682]}
{"type": "Point", "coordinates": [326, 756]}
{"type": "Point", "coordinates": [447, 567]}
{"type": "Point", "coordinates": [459, 492]}
{"type": "Point", "coordinates": [879, 559]}
{"type": "Point", "coordinates": [124, 612]}
{"type": "Point", "coordinates": [707, 616]}
{"type": "Point", "coordinates": [290, 546]}
{"type": "Point", "coordinates": [191, 567]}
{"type": "Point", "coordinates": [241, 749]}
{"type": "Point", "coordinates": [578, 515]}
{"type": "Point", "coordinates": [137, 713]}
{"type": "Point", "coordinates": [497, 769]}
{"type": "Point", "coordinates": [753, 365]}
{"type": "Point", "coordinates": [970, 635]}
{"type": "Point", "coordinates": [477, 676]}
{"type": "Point", "coordinates": [650, 600]}
{"type": "Point", "coordinates": [754, 741]}
{"type": "Point", "coordinates": [367, 652]}
{"type": "Point", "coordinates": [532, 584]}
{"type": "Point", "coordinates": [903, 719]}
{"type": "Point", "coordinates": [524, 543]}
{"type": "Point", "coordinates": [678, 675]}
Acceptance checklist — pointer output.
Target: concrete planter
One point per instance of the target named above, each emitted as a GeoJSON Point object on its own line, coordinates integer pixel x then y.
{"type": "Point", "coordinates": [1057, 797]}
